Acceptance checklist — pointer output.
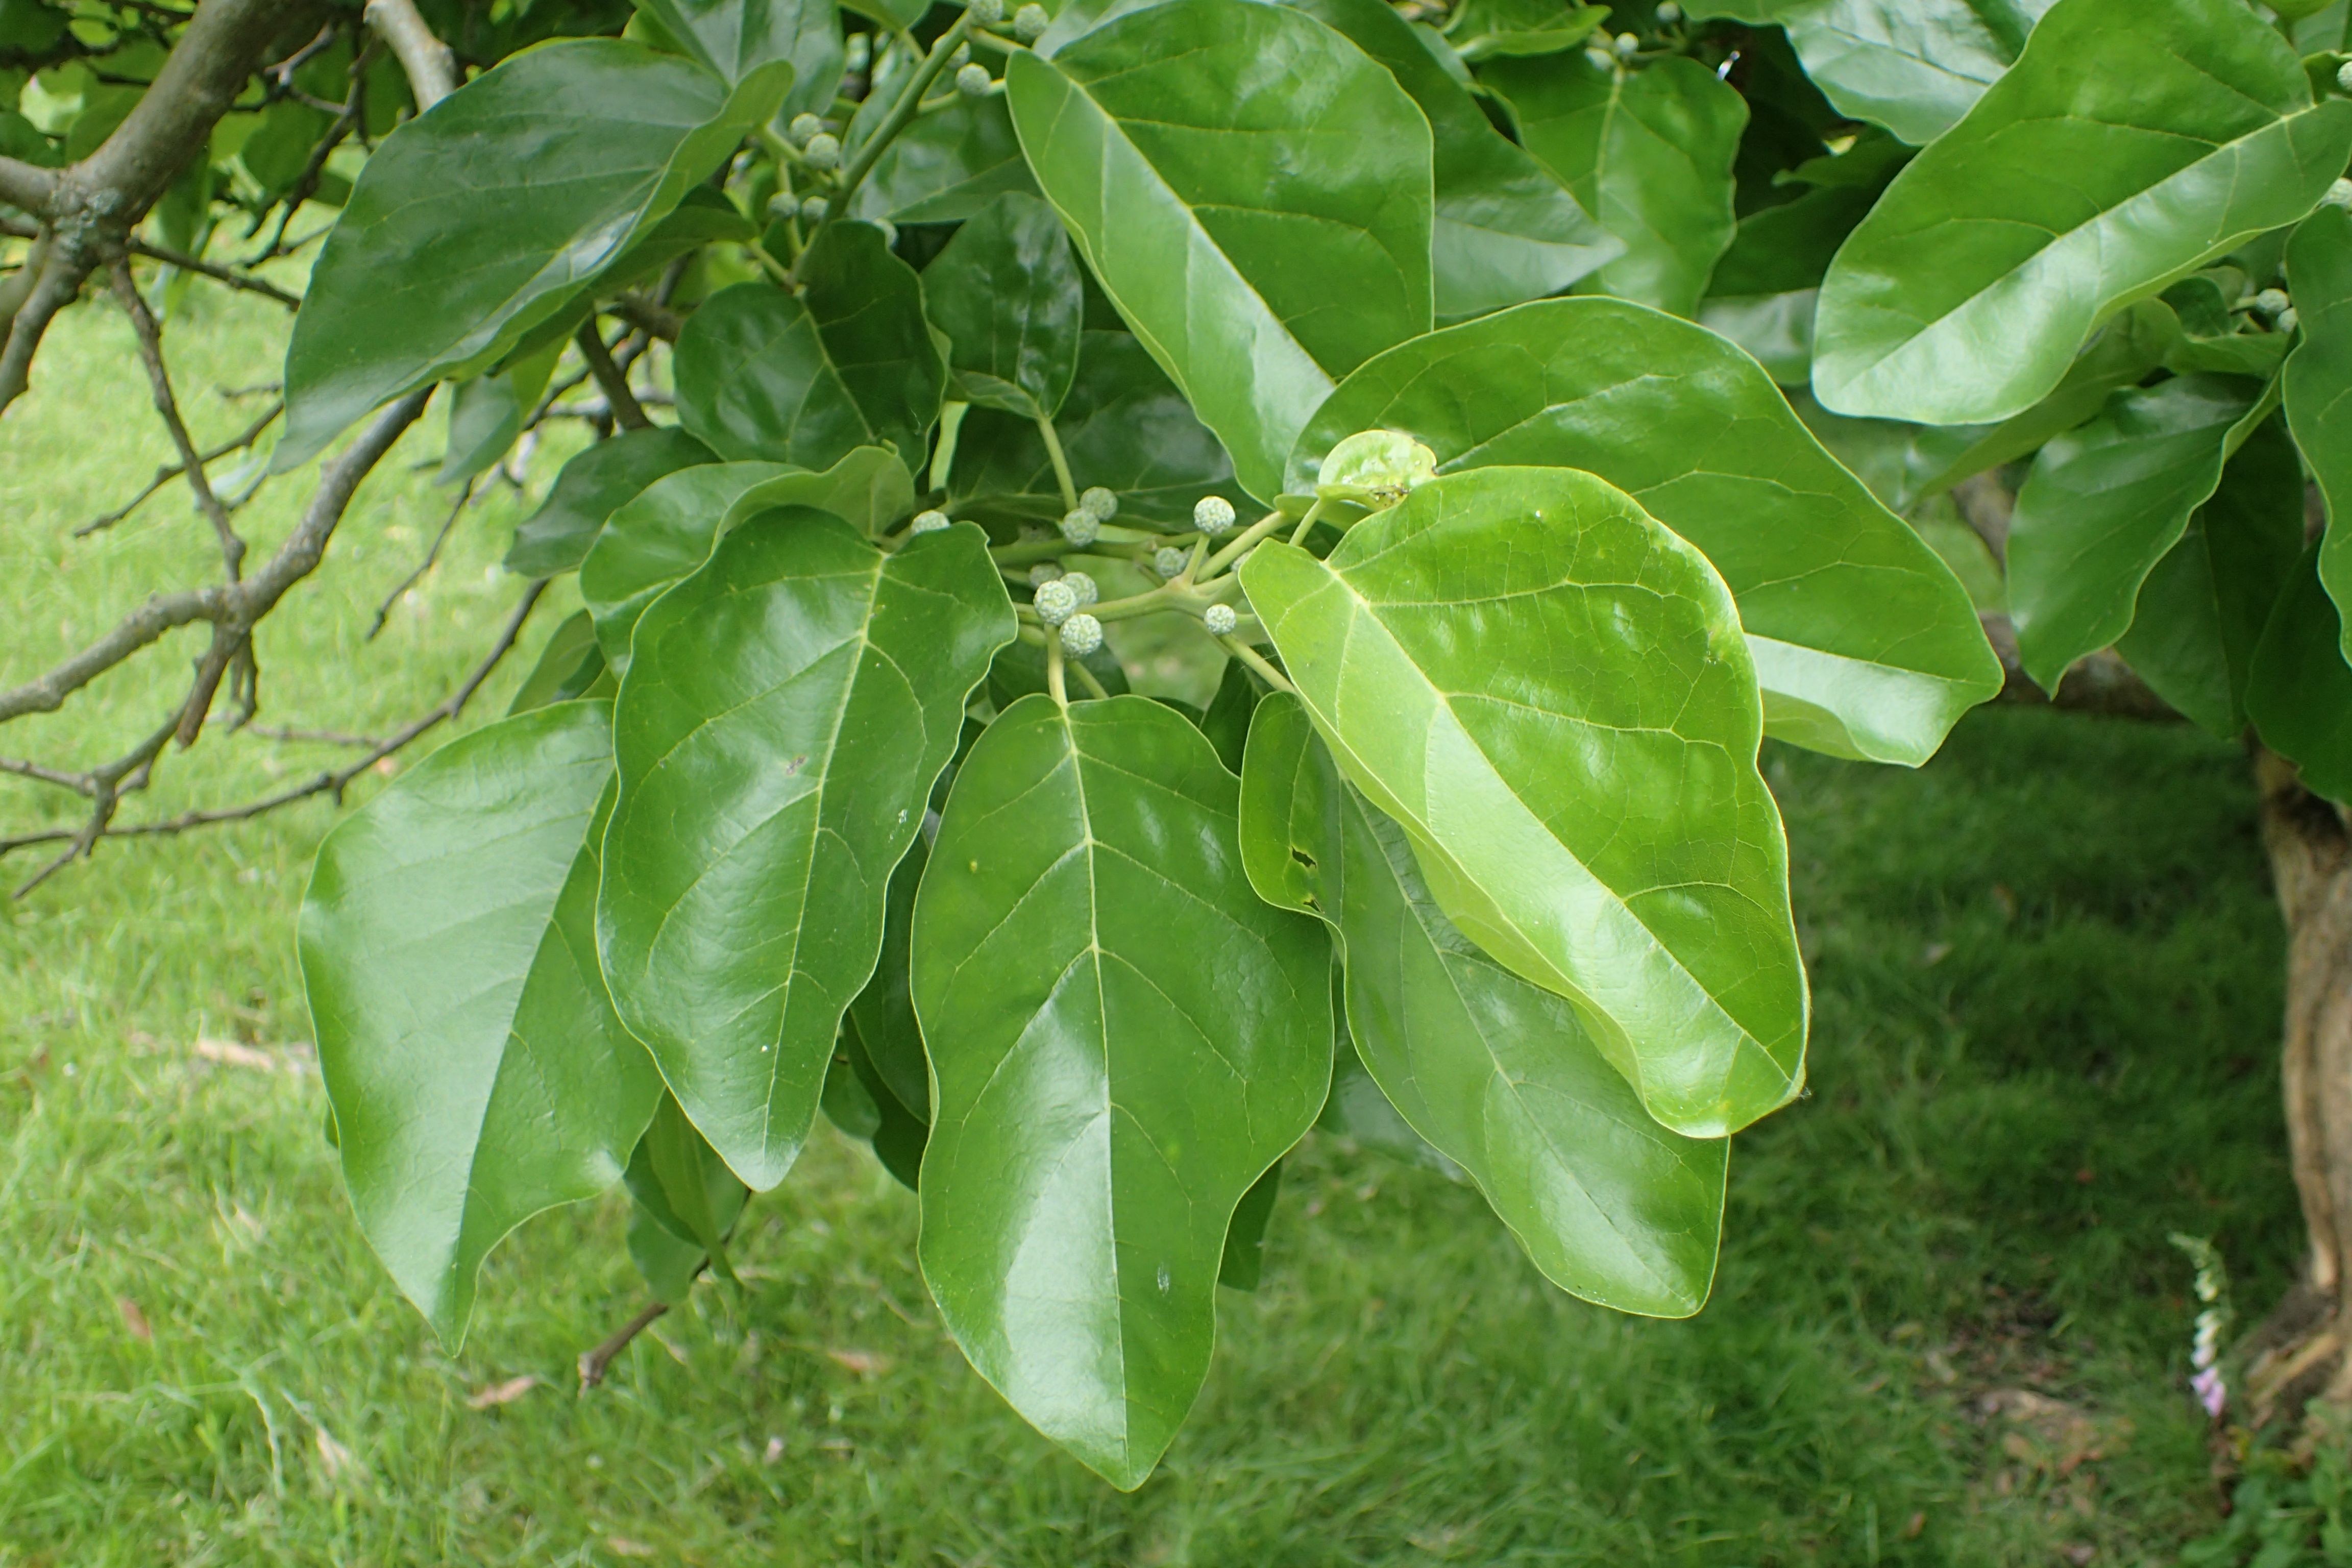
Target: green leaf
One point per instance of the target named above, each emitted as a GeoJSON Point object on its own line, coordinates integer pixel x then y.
{"type": "Point", "coordinates": [1648, 151]}
{"type": "Point", "coordinates": [1007, 293]}
{"type": "Point", "coordinates": [2299, 692]}
{"type": "Point", "coordinates": [477, 1072]}
{"type": "Point", "coordinates": [2318, 384]}
{"type": "Point", "coordinates": [702, 216]}
{"type": "Point", "coordinates": [1865, 644]}
{"type": "Point", "coordinates": [1123, 1039]}
{"type": "Point", "coordinates": [1243, 1261]}
{"type": "Point", "coordinates": [1497, 1074]}
{"type": "Point", "coordinates": [736, 37]}
{"type": "Point", "coordinates": [1359, 1112]}
{"type": "Point", "coordinates": [690, 1198]}
{"type": "Point", "coordinates": [1226, 721]}
{"type": "Point", "coordinates": [1776, 330]}
{"type": "Point", "coordinates": [1507, 230]}
{"type": "Point", "coordinates": [2133, 141]}
{"type": "Point", "coordinates": [477, 219]}
{"type": "Point", "coordinates": [656, 539]}
{"type": "Point", "coordinates": [765, 374]}
{"type": "Point", "coordinates": [1263, 230]}
{"type": "Point", "coordinates": [1483, 30]}
{"type": "Point", "coordinates": [1124, 426]}
{"type": "Point", "coordinates": [1913, 66]}
{"type": "Point", "coordinates": [669, 1265]}
{"type": "Point", "coordinates": [486, 412]}
{"type": "Point", "coordinates": [1019, 671]}
{"type": "Point", "coordinates": [898, 1136]}
{"type": "Point", "coordinates": [947, 165]}
{"type": "Point", "coordinates": [568, 665]}
{"type": "Point", "coordinates": [778, 730]}
{"type": "Point", "coordinates": [2201, 611]}
{"type": "Point", "coordinates": [882, 1015]}
{"type": "Point", "coordinates": [592, 486]}
{"type": "Point", "coordinates": [2103, 504]}
{"type": "Point", "coordinates": [1549, 690]}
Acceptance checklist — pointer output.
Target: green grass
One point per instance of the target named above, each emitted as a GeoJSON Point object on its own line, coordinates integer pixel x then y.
{"type": "Point", "coordinates": [2045, 977]}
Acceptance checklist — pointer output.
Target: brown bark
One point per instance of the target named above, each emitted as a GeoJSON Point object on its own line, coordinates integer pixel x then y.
{"type": "Point", "coordinates": [2299, 1354]}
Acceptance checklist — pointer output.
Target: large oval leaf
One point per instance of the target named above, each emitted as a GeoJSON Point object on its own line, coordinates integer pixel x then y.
{"type": "Point", "coordinates": [488, 211]}
{"type": "Point", "coordinates": [1252, 192]}
{"type": "Point", "coordinates": [2318, 385]}
{"type": "Point", "coordinates": [593, 486]}
{"type": "Point", "coordinates": [2299, 692]}
{"type": "Point", "coordinates": [947, 165]}
{"type": "Point", "coordinates": [1007, 293]}
{"type": "Point", "coordinates": [1549, 690]}
{"type": "Point", "coordinates": [1123, 1038]}
{"type": "Point", "coordinates": [1497, 1074]}
{"type": "Point", "coordinates": [2133, 140]}
{"type": "Point", "coordinates": [2102, 505]}
{"type": "Point", "coordinates": [1913, 66]}
{"type": "Point", "coordinates": [1647, 151]}
{"type": "Point", "coordinates": [1864, 642]}
{"type": "Point", "coordinates": [477, 1071]}
{"type": "Point", "coordinates": [736, 37]}
{"type": "Point", "coordinates": [783, 715]}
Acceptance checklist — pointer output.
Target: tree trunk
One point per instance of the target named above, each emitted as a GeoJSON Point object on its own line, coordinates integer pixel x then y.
{"type": "Point", "coordinates": [2299, 1352]}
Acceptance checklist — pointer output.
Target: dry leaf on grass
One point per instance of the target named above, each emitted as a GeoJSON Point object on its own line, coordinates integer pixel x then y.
{"type": "Point", "coordinates": [333, 1457]}
{"type": "Point", "coordinates": [134, 1319]}
{"type": "Point", "coordinates": [622, 1546]}
{"type": "Point", "coordinates": [865, 1364]}
{"type": "Point", "coordinates": [505, 1393]}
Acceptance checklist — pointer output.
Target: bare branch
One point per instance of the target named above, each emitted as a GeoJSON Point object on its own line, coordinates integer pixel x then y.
{"type": "Point", "coordinates": [432, 68]}
{"type": "Point", "coordinates": [432, 553]}
{"type": "Point", "coordinates": [1985, 504]}
{"type": "Point", "coordinates": [653, 320]}
{"type": "Point", "coordinates": [26, 187]}
{"type": "Point", "coordinates": [159, 379]}
{"type": "Point", "coordinates": [216, 272]}
{"type": "Point", "coordinates": [609, 378]}
{"type": "Point", "coordinates": [77, 783]}
{"type": "Point", "coordinates": [592, 1363]}
{"type": "Point", "coordinates": [313, 737]}
{"type": "Point", "coordinates": [54, 285]}
{"type": "Point", "coordinates": [2097, 683]}
{"type": "Point", "coordinates": [165, 476]}
{"type": "Point", "coordinates": [237, 604]}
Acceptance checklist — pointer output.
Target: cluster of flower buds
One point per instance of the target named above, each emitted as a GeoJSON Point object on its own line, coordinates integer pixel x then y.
{"type": "Point", "coordinates": [1098, 503]}
{"type": "Point", "coordinates": [973, 80]}
{"type": "Point", "coordinates": [1055, 601]}
{"type": "Point", "coordinates": [1212, 515]}
{"type": "Point", "coordinates": [1030, 22]}
{"type": "Point", "coordinates": [1169, 561]}
{"type": "Point", "coordinates": [1081, 634]}
{"type": "Point", "coordinates": [929, 521]}
{"type": "Point", "coordinates": [1220, 620]}
{"type": "Point", "coordinates": [1080, 527]}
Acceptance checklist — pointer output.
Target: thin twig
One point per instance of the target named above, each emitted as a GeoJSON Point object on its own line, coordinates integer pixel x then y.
{"type": "Point", "coordinates": [313, 737]}
{"type": "Point", "coordinates": [77, 783]}
{"type": "Point", "coordinates": [432, 68]}
{"type": "Point", "coordinates": [433, 554]}
{"type": "Point", "coordinates": [609, 378]}
{"type": "Point", "coordinates": [593, 1363]}
{"type": "Point", "coordinates": [167, 475]}
{"type": "Point", "coordinates": [159, 379]}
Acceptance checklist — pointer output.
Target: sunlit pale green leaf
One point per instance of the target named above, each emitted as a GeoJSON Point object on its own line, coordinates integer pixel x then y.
{"type": "Point", "coordinates": [1496, 1073]}
{"type": "Point", "coordinates": [1864, 641]}
{"type": "Point", "coordinates": [477, 1071]}
{"type": "Point", "coordinates": [1007, 293]}
{"type": "Point", "coordinates": [1251, 191]}
{"type": "Point", "coordinates": [2133, 141]}
{"type": "Point", "coordinates": [1123, 1038]}
{"type": "Point", "coordinates": [484, 214]}
{"type": "Point", "coordinates": [592, 486]}
{"type": "Point", "coordinates": [2319, 385]}
{"type": "Point", "coordinates": [783, 715]}
{"type": "Point", "coordinates": [1648, 151]}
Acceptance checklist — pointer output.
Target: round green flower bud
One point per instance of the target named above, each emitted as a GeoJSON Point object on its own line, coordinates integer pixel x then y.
{"type": "Point", "coordinates": [1081, 634]}
{"type": "Point", "coordinates": [2287, 319]}
{"type": "Point", "coordinates": [824, 150]}
{"type": "Point", "coordinates": [973, 80]}
{"type": "Point", "coordinates": [1627, 46]}
{"type": "Point", "coordinates": [1083, 586]}
{"type": "Point", "coordinates": [2339, 194]}
{"type": "Point", "coordinates": [929, 521]}
{"type": "Point", "coordinates": [1031, 21]}
{"type": "Point", "coordinates": [2344, 76]}
{"type": "Point", "coordinates": [961, 58]}
{"type": "Point", "coordinates": [1600, 59]}
{"type": "Point", "coordinates": [2271, 301]}
{"type": "Point", "coordinates": [1044, 572]}
{"type": "Point", "coordinates": [987, 13]}
{"type": "Point", "coordinates": [812, 209]}
{"type": "Point", "coordinates": [1669, 13]}
{"type": "Point", "coordinates": [1056, 602]}
{"type": "Point", "coordinates": [1169, 561]}
{"type": "Point", "coordinates": [1102, 503]}
{"type": "Point", "coordinates": [1212, 515]}
{"type": "Point", "coordinates": [1220, 619]}
{"type": "Point", "coordinates": [1080, 527]}
{"type": "Point", "coordinates": [802, 128]}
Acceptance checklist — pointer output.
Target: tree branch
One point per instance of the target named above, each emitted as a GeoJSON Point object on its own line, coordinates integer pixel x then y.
{"type": "Point", "coordinates": [592, 1363]}
{"type": "Point", "coordinates": [165, 476]}
{"type": "Point", "coordinates": [159, 379]}
{"type": "Point", "coordinates": [2097, 683]}
{"type": "Point", "coordinates": [433, 554]}
{"type": "Point", "coordinates": [610, 379]}
{"type": "Point", "coordinates": [432, 68]}
{"type": "Point", "coordinates": [26, 187]}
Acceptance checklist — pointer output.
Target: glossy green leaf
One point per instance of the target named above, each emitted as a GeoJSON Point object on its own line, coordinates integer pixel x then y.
{"type": "Point", "coordinates": [884, 1012]}
{"type": "Point", "coordinates": [702, 216]}
{"type": "Point", "coordinates": [1251, 191]}
{"type": "Point", "coordinates": [486, 412]}
{"type": "Point", "coordinates": [1483, 30]}
{"type": "Point", "coordinates": [1123, 1039]}
{"type": "Point", "coordinates": [1507, 230]}
{"type": "Point", "coordinates": [1226, 721]}
{"type": "Point", "coordinates": [1647, 151]}
{"type": "Point", "coordinates": [1913, 66]}
{"type": "Point", "coordinates": [2318, 384]}
{"type": "Point", "coordinates": [2133, 141]}
{"type": "Point", "coordinates": [1359, 1112]}
{"type": "Point", "coordinates": [947, 165]}
{"type": "Point", "coordinates": [1865, 644]}
{"type": "Point", "coordinates": [764, 374]}
{"type": "Point", "coordinates": [592, 486]}
{"type": "Point", "coordinates": [1019, 671]}
{"type": "Point", "coordinates": [2299, 693]}
{"type": "Point", "coordinates": [1549, 690]}
{"type": "Point", "coordinates": [1497, 1074]}
{"type": "Point", "coordinates": [669, 1265]}
{"type": "Point", "coordinates": [778, 730]}
{"type": "Point", "coordinates": [568, 665]}
{"type": "Point", "coordinates": [1242, 1263]}
{"type": "Point", "coordinates": [2103, 504]}
{"type": "Point", "coordinates": [475, 220]}
{"type": "Point", "coordinates": [656, 539]}
{"type": "Point", "coordinates": [736, 37]}
{"type": "Point", "coordinates": [2200, 613]}
{"type": "Point", "coordinates": [477, 1071]}
{"type": "Point", "coordinates": [1007, 293]}
{"type": "Point", "coordinates": [898, 1136]}
{"type": "Point", "coordinates": [690, 1198]}
{"type": "Point", "coordinates": [1124, 427]}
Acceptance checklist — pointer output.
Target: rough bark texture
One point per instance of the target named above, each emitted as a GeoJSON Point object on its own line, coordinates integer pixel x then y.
{"type": "Point", "coordinates": [2299, 1353]}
